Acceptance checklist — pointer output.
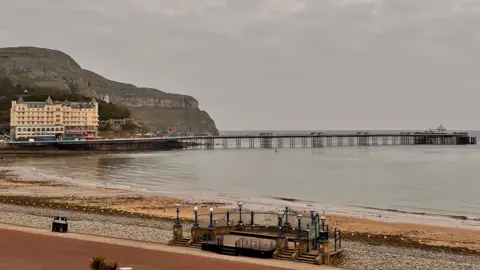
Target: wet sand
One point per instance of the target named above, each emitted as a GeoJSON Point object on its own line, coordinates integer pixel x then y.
{"type": "Point", "coordinates": [381, 231]}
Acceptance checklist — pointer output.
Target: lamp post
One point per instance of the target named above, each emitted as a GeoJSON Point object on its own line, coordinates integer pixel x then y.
{"type": "Point", "coordinates": [228, 218]}
{"type": "Point", "coordinates": [335, 238]}
{"type": "Point", "coordinates": [316, 231]}
{"type": "Point", "coordinates": [251, 219]}
{"type": "Point", "coordinates": [322, 219]}
{"type": "Point", "coordinates": [280, 215]}
{"type": "Point", "coordinates": [240, 205]}
{"type": "Point", "coordinates": [286, 216]}
{"type": "Point", "coordinates": [299, 216]}
{"type": "Point", "coordinates": [308, 237]}
{"type": "Point", "coordinates": [195, 212]}
{"type": "Point", "coordinates": [211, 218]}
{"type": "Point", "coordinates": [312, 216]}
{"type": "Point", "coordinates": [178, 213]}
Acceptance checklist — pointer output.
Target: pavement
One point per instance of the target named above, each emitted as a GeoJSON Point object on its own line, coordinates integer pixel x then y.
{"type": "Point", "coordinates": [39, 249]}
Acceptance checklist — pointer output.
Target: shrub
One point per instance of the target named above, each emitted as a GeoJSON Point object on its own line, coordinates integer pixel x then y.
{"type": "Point", "coordinates": [99, 263]}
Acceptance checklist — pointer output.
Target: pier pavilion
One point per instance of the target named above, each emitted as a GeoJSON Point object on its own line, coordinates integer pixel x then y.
{"type": "Point", "coordinates": [285, 235]}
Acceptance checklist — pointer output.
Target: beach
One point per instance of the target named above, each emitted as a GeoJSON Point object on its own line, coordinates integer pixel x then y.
{"type": "Point", "coordinates": [368, 242]}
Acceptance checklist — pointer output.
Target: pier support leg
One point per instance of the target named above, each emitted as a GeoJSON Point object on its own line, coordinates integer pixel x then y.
{"type": "Point", "coordinates": [209, 143]}
{"type": "Point", "coordinates": [292, 142]}
{"type": "Point", "coordinates": [266, 142]}
{"type": "Point", "coordinates": [238, 142]}
{"type": "Point", "coordinates": [329, 141]}
{"type": "Point", "coordinates": [304, 142]}
{"type": "Point", "coordinates": [317, 142]}
{"type": "Point", "coordinates": [363, 141]}
{"type": "Point", "coordinates": [197, 143]}
{"type": "Point", "coordinates": [279, 142]}
{"type": "Point", "coordinates": [340, 141]}
{"type": "Point", "coordinates": [351, 141]}
{"type": "Point", "coordinates": [225, 143]}
{"type": "Point", "coordinates": [251, 142]}
{"type": "Point", "coordinates": [385, 140]}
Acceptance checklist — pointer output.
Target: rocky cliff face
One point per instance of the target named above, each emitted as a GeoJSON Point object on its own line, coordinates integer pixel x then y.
{"type": "Point", "coordinates": [52, 69]}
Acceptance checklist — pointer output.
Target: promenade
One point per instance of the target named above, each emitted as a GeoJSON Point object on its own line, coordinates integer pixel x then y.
{"type": "Point", "coordinates": [33, 249]}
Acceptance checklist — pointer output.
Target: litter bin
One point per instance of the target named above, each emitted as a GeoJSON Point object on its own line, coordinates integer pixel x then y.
{"type": "Point", "coordinates": [60, 224]}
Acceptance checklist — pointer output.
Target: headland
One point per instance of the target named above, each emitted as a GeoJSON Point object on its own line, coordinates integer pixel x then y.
{"type": "Point", "coordinates": [34, 73]}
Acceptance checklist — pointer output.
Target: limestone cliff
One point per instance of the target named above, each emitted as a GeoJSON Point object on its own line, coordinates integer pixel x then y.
{"type": "Point", "coordinates": [51, 69]}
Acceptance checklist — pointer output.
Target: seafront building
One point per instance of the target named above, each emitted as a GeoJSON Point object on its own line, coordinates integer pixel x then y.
{"type": "Point", "coordinates": [30, 120]}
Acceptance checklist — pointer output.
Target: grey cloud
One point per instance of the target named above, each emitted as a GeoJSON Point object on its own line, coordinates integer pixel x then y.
{"type": "Point", "coordinates": [277, 64]}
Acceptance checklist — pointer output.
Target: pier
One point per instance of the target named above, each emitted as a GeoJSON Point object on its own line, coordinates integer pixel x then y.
{"type": "Point", "coordinates": [261, 140]}
{"type": "Point", "coordinates": [318, 140]}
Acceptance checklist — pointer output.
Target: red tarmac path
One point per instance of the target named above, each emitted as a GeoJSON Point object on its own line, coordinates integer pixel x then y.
{"type": "Point", "coordinates": [21, 250]}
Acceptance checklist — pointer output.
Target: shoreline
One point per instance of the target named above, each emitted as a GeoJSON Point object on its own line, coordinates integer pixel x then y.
{"type": "Point", "coordinates": [455, 217]}
{"type": "Point", "coordinates": [269, 203]}
{"type": "Point", "coordinates": [115, 202]}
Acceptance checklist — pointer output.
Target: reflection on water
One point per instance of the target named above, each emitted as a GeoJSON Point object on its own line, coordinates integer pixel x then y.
{"type": "Point", "coordinates": [431, 179]}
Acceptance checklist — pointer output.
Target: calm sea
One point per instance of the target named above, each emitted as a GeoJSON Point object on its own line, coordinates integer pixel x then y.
{"type": "Point", "coordinates": [437, 180]}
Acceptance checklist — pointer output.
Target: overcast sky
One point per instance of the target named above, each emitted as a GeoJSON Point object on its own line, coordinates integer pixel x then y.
{"type": "Point", "coordinates": [277, 64]}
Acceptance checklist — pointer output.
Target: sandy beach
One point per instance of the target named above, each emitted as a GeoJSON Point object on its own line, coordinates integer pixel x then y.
{"type": "Point", "coordinates": [35, 199]}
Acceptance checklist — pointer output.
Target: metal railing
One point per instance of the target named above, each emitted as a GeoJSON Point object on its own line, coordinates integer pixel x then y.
{"type": "Point", "coordinates": [252, 218]}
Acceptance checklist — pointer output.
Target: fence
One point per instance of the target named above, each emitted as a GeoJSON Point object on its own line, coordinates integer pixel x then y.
{"type": "Point", "coordinates": [233, 218]}
{"type": "Point", "coordinates": [270, 219]}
